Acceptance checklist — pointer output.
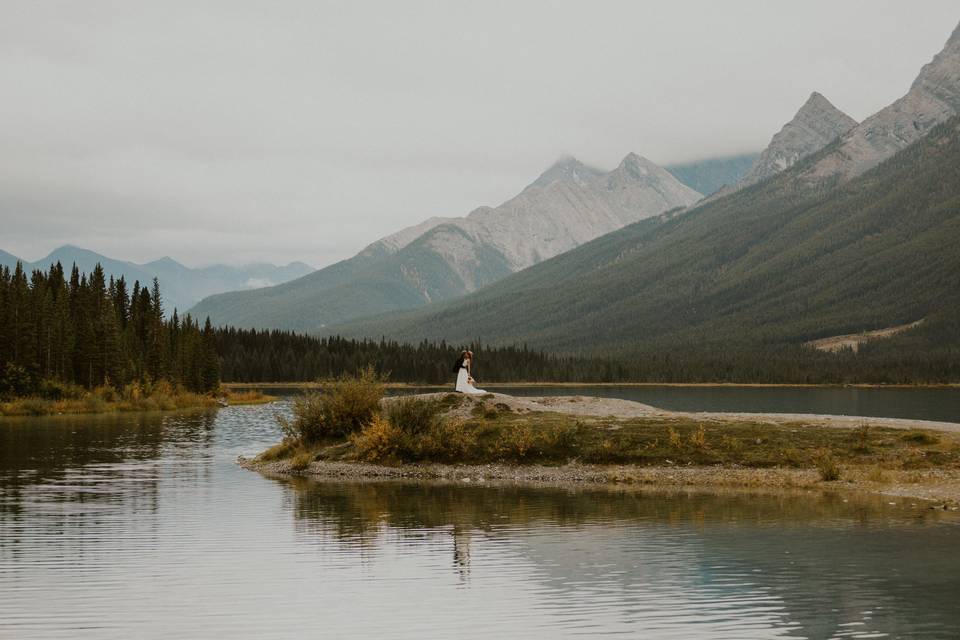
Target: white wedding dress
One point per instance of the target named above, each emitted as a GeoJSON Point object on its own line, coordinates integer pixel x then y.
{"type": "Point", "coordinates": [463, 383]}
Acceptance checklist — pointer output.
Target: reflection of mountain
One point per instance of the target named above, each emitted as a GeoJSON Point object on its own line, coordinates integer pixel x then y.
{"type": "Point", "coordinates": [739, 565]}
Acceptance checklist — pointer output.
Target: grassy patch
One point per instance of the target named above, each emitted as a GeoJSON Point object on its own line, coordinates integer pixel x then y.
{"type": "Point", "coordinates": [250, 396]}
{"type": "Point", "coordinates": [553, 438]}
{"type": "Point", "coordinates": [159, 396]}
{"type": "Point", "coordinates": [411, 430]}
{"type": "Point", "coordinates": [916, 436]}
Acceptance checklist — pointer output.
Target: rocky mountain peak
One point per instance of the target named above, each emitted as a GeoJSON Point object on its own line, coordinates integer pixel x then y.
{"type": "Point", "coordinates": [815, 125]}
{"type": "Point", "coordinates": [637, 165]}
{"type": "Point", "coordinates": [934, 97]}
{"type": "Point", "coordinates": [567, 168]}
{"type": "Point", "coordinates": [954, 41]}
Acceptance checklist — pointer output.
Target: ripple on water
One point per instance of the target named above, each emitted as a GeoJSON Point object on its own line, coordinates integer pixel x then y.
{"type": "Point", "coordinates": [143, 526]}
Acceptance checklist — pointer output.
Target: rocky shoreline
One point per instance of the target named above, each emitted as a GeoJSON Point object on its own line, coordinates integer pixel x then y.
{"type": "Point", "coordinates": [940, 488]}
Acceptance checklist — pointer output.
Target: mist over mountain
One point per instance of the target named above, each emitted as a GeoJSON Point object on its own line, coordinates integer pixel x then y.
{"type": "Point", "coordinates": [783, 260]}
{"type": "Point", "coordinates": [710, 175]}
{"type": "Point", "coordinates": [568, 204]}
{"type": "Point", "coordinates": [182, 286]}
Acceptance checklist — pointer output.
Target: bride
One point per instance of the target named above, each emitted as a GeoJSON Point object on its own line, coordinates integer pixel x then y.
{"type": "Point", "coordinates": [464, 379]}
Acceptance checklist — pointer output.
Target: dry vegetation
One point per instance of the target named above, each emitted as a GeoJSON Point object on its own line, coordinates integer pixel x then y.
{"type": "Point", "coordinates": [158, 396]}
{"type": "Point", "coordinates": [349, 421]}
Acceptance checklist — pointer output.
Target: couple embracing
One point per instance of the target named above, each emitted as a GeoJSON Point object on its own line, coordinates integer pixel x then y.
{"type": "Point", "coordinates": [465, 381]}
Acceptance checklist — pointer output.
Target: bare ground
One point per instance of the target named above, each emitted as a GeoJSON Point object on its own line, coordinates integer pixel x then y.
{"type": "Point", "coordinates": [854, 340]}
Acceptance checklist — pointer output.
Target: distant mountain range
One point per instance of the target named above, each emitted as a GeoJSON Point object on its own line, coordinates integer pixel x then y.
{"type": "Point", "coordinates": [860, 234]}
{"type": "Point", "coordinates": [777, 263]}
{"type": "Point", "coordinates": [442, 258]}
{"type": "Point", "coordinates": [182, 286]}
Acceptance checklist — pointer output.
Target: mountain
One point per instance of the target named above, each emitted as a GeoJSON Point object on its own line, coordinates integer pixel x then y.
{"type": "Point", "coordinates": [816, 124]}
{"type": "Point", "coordinates": [568, 204]}
{"type": "Point", "coordinates": [182, 286]}
{"type": "Point", "coordinates": [776, 263]}
{"type": "Point", "coordinates": [934, 97]}
{"type": "Point", "coordinates": [710, 175]}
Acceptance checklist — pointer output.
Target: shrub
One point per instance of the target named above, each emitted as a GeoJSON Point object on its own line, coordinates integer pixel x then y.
{"type": "Point", "coordinates": [278, 451]}
{"type": "Point", "coordinates": [301, 461]}
{"type": "Point", "coordinates": [516, 443]}
{"type": "Point", "coordinates": [920, 437]}
{"type": "Point", "coordinates": [676, 441]}
{"type": "Point", "coordinates": [699, 438]}
{"type": "Point", "coordinates": [448, 441]}
{"type": "Point", "coordinates": [415, 415]}
{"type": "Point", "coordinates": [877, 474]}
{"type": "Point", "coordinates": [343, 407]}
{"type": "Point", "coordinates": [106, 393]}
{"type": "Point", "coordinates": [562, 438]}
{"type": "Point", "coordinates": [133, 391]}
{"type": "Point", "coordinates": [57, 390]}
{"type": "Point", "coordinates": [15, 381]}
{"type": "Point", "coordinates": [380, 441]}
{"type": "Point", "coordinates": [828, 467]}
{"type": "Point", "coordinates": [861, 439]}
{"type": "Point", "coordinates": [34, 406]}
{"type": "Point", "coordinates": [94, 404]}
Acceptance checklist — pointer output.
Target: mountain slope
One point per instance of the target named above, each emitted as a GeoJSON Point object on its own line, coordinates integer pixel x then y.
{"type": "Point", "coordinates": [569, 204]}
{"type": "Point", "coordinates": [182, 286]}
{"type": "Point", "coordinates": [776, 263]}
{"type": "Point", "coordinates": [933, 98]}
{"type": "Point", "coordinates": [708, 176]}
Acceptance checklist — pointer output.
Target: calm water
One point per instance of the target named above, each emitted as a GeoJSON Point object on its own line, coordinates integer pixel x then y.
{"type": "Point", "coordinates": [941, 404]}
{"type": "Point", "coordinates": [143, 527]}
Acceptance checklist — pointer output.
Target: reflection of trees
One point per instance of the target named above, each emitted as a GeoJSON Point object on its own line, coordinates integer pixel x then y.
{"type": "Point", "coordinates": [65, 471]}
{"type": "Point", "coordinates": [808, 562]}
{"type": "Point", "coordinates": [357, 509]}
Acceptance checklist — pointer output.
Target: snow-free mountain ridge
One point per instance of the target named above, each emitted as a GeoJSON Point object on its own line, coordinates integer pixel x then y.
{"type": "Point", "coordinates": [568, 204]}
{"type": "Point", "coordinates": [933, 98]}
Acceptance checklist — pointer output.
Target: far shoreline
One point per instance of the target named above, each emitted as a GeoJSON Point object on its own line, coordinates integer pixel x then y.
{"type": "Point", "coordinates": [563, 385]}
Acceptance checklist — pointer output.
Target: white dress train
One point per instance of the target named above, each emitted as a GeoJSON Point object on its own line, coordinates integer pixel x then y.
{"type": "Point", "coordinates": [463, 384]}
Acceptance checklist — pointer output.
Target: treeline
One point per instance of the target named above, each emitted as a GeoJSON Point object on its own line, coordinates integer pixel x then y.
{"type": "Point", "coordinates": [85, 330]}
{"type": "Point", "coordinates": [251, 355]}
{"type": "Point", "coordinates": [276, 356]}
{"type": "Point", "coordinates": [92, 331]}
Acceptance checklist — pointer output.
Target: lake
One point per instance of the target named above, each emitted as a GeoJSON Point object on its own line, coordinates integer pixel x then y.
{"type": "Point", "coordinates": [142, 526]}
{"type": "Point", "coordinates": [918, 403]}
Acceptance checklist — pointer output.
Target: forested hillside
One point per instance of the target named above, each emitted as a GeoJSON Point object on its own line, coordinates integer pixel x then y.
{"type": "Point", "coordinates": [779, 263]}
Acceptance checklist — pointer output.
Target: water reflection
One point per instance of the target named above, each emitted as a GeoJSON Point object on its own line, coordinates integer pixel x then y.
{"type": "Point", "coordinates": [800, 565]}
{"type": "Point", "coordinates": [143, 526]}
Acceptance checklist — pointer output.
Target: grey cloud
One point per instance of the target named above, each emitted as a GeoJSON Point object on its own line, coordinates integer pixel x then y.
{"type": "Point", "coordinates": [233, 131]}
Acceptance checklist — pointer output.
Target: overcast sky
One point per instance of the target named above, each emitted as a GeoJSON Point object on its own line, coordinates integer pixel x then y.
{"type": "Point", "coordinates": [237, 131]}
